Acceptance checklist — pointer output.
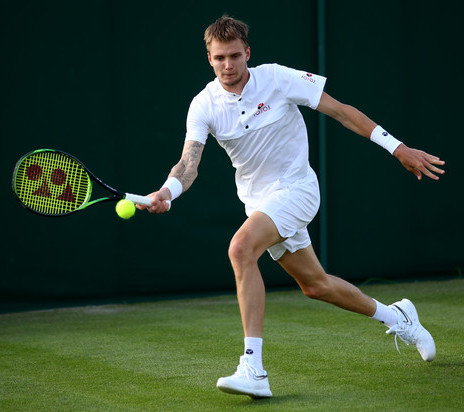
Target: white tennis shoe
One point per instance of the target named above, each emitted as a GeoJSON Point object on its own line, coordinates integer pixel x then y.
{"type": "Point", "coordinates": [246, 381]}
{"type": "Point", "coordinates": [409, 330]}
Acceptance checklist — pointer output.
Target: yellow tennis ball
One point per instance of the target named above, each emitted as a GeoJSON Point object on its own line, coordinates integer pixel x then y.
{"type": "Point", "coordinates": [125, 209]}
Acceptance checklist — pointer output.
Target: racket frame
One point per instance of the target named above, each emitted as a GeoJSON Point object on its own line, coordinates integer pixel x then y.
{"type": "Point", "coordinates": [117, 195]}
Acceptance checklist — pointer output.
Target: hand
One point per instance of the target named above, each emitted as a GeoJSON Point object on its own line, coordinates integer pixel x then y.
{"type": "Point", "coordinates": [419, 162]}
{"type": "Point", "coordinates": [159, 203]}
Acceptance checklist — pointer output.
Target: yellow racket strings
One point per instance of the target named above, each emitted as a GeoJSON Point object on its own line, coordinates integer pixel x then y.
{"type": "Point", "coordinates": [52, 183]}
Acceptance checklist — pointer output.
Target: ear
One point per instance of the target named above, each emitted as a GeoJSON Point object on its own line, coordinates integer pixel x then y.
{"type": "Point", "coordinates": [247, 53]}
{"type": "Point", "coordinates": [209, 59]}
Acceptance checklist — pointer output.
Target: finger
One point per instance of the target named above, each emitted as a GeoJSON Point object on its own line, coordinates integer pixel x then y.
{"type": "Point", "coordinates": [430, 161]}
{"type": "Point", "coordinates": [435, 169]}
{"type": "Point", "coordinates": [417, 173]}
{"type": "Point", "coordinates": [437, 161]}
{"type": "Point", "coordinates": [153, 207]}
{"type": "Point", "coordinates": [428, 173]}
{"type": "Point", "coordinates": [431, 169]}
{"type": "Point", "coordinates": [434, 159]}
{"type": "Point", "coordinates": [161, 207]}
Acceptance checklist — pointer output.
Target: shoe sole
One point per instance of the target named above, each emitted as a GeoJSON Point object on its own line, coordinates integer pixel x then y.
{"type": "Point", "coordinates": [258, 394]}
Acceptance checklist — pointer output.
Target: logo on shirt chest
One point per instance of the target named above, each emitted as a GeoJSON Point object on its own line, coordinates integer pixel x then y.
{"type": "Point", "coordinates": [262, 108]}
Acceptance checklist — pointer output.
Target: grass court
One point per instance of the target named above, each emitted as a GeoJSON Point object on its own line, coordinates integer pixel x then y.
{"type": "Point", "coordinates": [167, 355]}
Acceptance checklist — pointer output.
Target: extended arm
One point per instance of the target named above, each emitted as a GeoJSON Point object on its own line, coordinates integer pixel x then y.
{"type": "Point", "coordinates": [413, 160]}
{"type": "Point", "coordinates": [185, 171]}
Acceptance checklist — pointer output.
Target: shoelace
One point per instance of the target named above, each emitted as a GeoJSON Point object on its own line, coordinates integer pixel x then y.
{"type": "Point", "coordinates": [406, 334]}
{"type": "Point", "coordinates": [244, 368]}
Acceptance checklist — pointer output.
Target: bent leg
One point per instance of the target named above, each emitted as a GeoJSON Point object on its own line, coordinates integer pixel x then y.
{"type": "Point", "coordinates": [401, 317]}
{"type": "Point", "coordinates": [305, 268]}
{"type": "Point", "coordinates": [252, 239]}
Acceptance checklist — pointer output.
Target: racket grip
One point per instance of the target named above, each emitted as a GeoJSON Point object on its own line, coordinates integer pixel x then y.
{"type": "Point", "coordinates": [143, 200]}
{"type": "Point", "coordinates": [140, 200]}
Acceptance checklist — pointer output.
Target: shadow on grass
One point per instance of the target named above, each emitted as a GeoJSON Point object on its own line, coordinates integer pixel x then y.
{"type": "Point", "coordinates": [276, 400]}
{"type": "Point", "coordinates": [448, 365]}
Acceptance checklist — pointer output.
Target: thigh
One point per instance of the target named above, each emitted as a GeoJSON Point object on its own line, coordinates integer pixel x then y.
{"type": "Point", "coordinates": [257, 233]}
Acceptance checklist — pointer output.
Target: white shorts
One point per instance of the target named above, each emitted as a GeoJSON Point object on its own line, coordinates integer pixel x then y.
{"type": "Point", "coordinates": [292, 208]}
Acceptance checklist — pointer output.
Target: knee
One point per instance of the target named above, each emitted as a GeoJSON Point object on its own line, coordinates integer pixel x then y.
{"type": "Point", "coordinates": [239, 251]}
{"type": "Point", "coordinates": [316, 290]}
{"type": "Point", "coordinates": [242, 253]}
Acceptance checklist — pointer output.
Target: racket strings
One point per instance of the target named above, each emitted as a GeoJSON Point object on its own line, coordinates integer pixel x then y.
{"type": "Point", "coordinates": [52, 183]}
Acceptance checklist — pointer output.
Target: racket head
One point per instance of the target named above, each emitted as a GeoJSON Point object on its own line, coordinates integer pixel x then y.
{"type": "Point", "coordinates": [50, 182]}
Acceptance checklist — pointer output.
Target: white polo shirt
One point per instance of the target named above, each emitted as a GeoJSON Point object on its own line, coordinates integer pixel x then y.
{"type": "Point", "coordinates": [262, 130]}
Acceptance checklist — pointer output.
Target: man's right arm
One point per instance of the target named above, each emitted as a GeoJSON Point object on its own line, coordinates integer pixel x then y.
{"type": "Point", "coordinates": [185, 171]}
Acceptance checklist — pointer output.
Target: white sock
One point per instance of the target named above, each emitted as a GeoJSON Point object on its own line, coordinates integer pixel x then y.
{"type": "Point", "coordinates": [254, 351]}
{"type": "Point", "coordinates": [385, 314]}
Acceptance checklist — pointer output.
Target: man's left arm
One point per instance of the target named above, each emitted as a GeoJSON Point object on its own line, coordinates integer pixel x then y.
{"type": "Point", "coordinates": [416, 161]}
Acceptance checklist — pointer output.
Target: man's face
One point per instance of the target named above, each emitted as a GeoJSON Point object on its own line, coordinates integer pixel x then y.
{"type": "Point", "coordinates": [229, 61]}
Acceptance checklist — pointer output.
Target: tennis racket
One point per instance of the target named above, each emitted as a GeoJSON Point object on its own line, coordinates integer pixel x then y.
{"type": "Point", "coordinates": [53, 183]}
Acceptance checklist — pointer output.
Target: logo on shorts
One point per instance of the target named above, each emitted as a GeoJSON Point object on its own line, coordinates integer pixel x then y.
{"type": "Point", "coordinates": [262, 108]}
{"type": "Point", "coordinates": [249, 351]}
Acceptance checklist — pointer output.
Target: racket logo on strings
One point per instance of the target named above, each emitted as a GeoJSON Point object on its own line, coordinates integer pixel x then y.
{"type": "Point", "coordinates": [57, 177]}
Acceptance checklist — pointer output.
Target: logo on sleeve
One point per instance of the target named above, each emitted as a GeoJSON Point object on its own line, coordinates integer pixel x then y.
{"type": "Point", "coordinates": [262, 108]}
{"type": "Point", "coordinates": [309, 78]}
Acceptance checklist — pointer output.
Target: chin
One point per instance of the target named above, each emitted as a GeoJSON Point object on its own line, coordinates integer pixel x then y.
{"type": "Point", "coordinates": [230, 82]}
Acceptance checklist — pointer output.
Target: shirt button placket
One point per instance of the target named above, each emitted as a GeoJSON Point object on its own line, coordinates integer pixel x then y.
{"type": "Point", "coordinates": [242, 111]}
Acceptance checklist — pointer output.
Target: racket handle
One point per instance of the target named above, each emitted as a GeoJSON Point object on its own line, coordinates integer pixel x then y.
{"type": "Point", "coordinates": [140, 200]}
{"type": "Point", "coordinates": [143, 200]}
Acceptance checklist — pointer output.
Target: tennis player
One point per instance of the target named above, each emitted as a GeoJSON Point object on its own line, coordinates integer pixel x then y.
{"type": "Point", "coordinates": [253, 113]}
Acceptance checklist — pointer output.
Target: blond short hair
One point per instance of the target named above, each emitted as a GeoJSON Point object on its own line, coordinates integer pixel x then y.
{"type": "Point", "coordinates": [226, 29]}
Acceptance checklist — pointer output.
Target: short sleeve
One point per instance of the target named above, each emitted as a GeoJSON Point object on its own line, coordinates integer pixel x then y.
{"type": "Point", "coordinates": [197, 122]}
{"type": "Point", "coordinates": [299, 87]}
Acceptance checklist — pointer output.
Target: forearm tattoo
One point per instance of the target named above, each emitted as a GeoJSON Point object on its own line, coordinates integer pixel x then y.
{"type": "Point", "coordinates": [187, 168]}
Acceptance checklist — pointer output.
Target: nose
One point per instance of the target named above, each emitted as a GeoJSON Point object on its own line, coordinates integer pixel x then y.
{"type": "Point", "coordinates": [228, 64]}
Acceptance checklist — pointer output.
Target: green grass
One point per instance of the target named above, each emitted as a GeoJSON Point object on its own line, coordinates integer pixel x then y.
{"type": "Point", "coordinates": [167, 356]}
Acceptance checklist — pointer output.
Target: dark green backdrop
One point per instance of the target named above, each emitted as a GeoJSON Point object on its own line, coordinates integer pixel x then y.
{"type": "Point", "coordinates": [111, 82]}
